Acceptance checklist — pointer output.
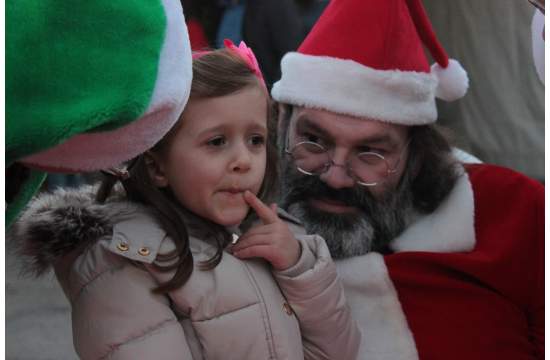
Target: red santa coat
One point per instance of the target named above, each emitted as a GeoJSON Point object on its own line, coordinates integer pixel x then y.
{"type": "Point", "coordinates": [465, 282]}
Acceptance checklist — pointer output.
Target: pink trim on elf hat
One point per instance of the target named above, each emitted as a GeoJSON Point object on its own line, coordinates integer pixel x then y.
{"type": "Point", "coordinates": [365, 58]}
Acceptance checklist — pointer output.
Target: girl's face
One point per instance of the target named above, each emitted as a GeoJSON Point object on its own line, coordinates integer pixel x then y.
{"type": "Point", "coordinates": [217, 153]}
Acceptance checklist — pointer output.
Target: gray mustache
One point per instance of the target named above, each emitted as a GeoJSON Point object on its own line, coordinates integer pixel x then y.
{"type": "Point", "coordinates": [311, 186]}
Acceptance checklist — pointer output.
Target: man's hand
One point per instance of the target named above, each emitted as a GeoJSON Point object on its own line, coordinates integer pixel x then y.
{"type": "Point", "coordinates": [272, 241]}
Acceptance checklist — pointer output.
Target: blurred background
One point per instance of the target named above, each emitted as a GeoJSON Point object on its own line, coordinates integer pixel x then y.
{"type": "Point", "coordinates": [500, 120]}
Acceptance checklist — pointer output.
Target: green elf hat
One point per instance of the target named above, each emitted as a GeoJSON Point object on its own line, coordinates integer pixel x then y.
{"type": "Point", "coordinates": [90, 84]}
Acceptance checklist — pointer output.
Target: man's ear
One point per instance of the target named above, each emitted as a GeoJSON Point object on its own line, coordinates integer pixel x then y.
{"type": "Point", "coordinates": [155, 168]}
{"type": "Point", "coordinates": [281, 117]}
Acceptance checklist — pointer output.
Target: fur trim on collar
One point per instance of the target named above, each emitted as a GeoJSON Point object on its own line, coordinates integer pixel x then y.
{"type": "Point", "coordinates": [450, 228]}
{"type": "Point", "coordinates": [56, 223]}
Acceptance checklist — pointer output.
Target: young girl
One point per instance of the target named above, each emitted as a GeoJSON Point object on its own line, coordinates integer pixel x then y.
{"type": "Point", "coordinates": [151, 271]}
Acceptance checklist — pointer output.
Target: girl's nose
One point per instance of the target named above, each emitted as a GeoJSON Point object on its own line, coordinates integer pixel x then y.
{"type": "Point", "coordinates": [241, 160]}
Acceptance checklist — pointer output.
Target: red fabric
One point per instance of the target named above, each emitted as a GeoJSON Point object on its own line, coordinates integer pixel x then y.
{"type": "Point", "coordinates": [489, 303]}
{"type": "Point", "coordinates": [196, 36]}
{"type": "Point", "coordinates": [377, 34]}
{"type": "Point", "coordinates": [426, 33]}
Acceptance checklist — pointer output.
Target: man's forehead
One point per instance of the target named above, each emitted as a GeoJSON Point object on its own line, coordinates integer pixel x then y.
{"type": "Point", "coordinates": [338, 125]}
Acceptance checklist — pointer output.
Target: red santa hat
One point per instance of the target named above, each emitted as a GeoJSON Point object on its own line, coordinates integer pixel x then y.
{"type": "Point", "coordinates": [366, 59]}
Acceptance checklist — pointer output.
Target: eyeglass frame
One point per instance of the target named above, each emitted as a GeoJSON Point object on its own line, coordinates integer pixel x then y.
{"type": "Point", "coordinates": [348, 165]}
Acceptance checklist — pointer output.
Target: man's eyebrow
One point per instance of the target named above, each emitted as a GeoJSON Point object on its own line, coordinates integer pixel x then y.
{"type": "Point", "coordinates": [379, 139]}
{"type": "Point", "coordinates": [304, 123]}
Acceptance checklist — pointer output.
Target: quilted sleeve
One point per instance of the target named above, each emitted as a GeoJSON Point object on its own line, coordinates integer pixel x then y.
{"type": "Point", "coordinates": [317, 297]}
{"type": "Point", "coordinates": [116, 316]}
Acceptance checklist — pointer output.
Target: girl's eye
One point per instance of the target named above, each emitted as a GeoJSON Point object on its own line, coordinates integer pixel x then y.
{"type": "Point", "coordinates": [256, 140]}
{"type": "Point", "coordinates": [217, 142]}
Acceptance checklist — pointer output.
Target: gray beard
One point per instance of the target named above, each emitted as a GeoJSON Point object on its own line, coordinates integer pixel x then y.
{"type": "Point", "coordinates": [371, 229]}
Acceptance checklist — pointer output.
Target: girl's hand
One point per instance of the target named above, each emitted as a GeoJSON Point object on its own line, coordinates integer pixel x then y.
{"type": "Point", "coordinates": [272, 241]}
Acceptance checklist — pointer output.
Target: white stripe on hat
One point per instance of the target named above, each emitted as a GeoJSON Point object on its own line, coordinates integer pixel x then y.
{"type": "Point", "coordinates": [347, 87]}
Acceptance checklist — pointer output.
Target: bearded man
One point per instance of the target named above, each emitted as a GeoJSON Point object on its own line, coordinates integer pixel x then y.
{"type": "Point", "coordinates": [439, 259]}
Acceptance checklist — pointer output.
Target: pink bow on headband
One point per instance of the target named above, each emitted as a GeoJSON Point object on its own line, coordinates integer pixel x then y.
{"type": "Point", "coordinates": [244, 53]}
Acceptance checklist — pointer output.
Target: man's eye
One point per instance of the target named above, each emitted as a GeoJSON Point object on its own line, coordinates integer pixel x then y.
{"type": "Point", "coordinates": [364, 149]}
{"type": "Point", "coordinates": [312, 138]}
{"type": "Point", "coordinates": [256, 140]}
{"type": "Point", "coordinates": [217, 142]}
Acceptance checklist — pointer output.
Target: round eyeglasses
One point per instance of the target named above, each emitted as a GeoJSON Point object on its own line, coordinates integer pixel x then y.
{"type": "Point", "coordinates": [367, 169]}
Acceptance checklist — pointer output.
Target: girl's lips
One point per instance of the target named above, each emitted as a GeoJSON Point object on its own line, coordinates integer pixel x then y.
{"type": "Point", "coordinates": [233, 190]}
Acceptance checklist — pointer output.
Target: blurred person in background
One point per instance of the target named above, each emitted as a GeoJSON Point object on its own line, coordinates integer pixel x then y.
{"type": "Point", "coordinates": [310, 11]}
{"type": "Point", "coordinates": [271, 28]}
{"type": "Point", "coordinates": [501, 119]}
{"type": "Point", "coordinates": [54, 180]}
{"type": "Point", "coordinates": [538, 37]}
{"type": "Point", "coordinates": [197, 37]}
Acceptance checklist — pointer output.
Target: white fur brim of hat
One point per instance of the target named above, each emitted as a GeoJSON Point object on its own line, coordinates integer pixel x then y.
{"type": "Point", "coordinates": [347, 87]}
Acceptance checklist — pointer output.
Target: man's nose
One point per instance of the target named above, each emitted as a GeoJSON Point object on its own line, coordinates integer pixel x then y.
{"type": "Point", "coordinates": [240, 161]}
{"type": "Point", "coordinates": [337, 175]}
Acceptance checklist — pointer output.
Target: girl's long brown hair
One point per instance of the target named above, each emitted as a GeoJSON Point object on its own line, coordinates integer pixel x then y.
{"type": "Point", "coordinates": [215, 74]}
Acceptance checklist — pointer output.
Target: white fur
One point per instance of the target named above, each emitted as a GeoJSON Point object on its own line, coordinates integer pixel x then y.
{"type": "Point", "coordinates": [347, 87]}
{"type": "Point", "coordinates": [453, 81]}
{"type": "Point", "coordinates": [385, 334]}
{"type": "Point", "coordinates": [538, 43]}
{"type": "Point", "coordinates": [465, 157]}
{"type": "Point", "coordinates": [450, 228]}
{"type": "Point", "coordinates": [93, 151]}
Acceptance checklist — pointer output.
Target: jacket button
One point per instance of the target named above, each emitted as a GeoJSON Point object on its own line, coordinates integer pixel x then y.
{"type": "Point", "coordinates": [144, 251]}
{"type": "Point", "coordinates": [122, 246]}
{"type": "Point", "coordinates": [288, 309]}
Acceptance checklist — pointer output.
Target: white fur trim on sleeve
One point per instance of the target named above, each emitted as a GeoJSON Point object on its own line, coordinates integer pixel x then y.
{"type": "Point", "coordinates": [347, 87]}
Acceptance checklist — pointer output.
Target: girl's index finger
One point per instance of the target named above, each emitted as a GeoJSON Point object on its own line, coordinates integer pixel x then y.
{"type": "Point", "coordinates": [264, 212]}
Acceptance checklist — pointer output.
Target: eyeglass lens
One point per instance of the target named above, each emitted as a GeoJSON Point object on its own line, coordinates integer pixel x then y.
{"type": "Point", "coordinates": [369, 168]}
{"type": "Point", "coordinates": [312, 159]}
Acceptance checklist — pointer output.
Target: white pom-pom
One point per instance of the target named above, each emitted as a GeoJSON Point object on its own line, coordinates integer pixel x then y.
{"type": "Point", "coordinates": [453, 81]}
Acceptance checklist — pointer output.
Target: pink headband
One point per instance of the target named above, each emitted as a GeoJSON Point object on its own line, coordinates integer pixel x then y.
{"type": "Point", "coordinates": [244, 53]}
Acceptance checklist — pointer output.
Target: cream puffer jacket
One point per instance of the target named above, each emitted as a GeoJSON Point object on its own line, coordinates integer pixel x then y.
{"type": "Point", "coordinates": [102, 256]}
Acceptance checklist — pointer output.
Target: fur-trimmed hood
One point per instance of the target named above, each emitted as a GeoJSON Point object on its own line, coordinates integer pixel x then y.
{"type": "Point", "coordinates": [56, 223]}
